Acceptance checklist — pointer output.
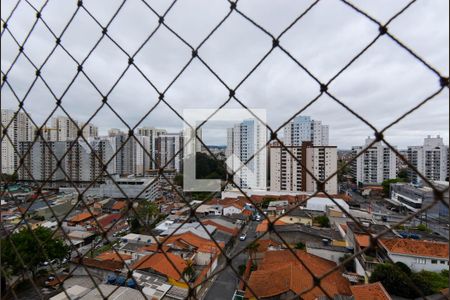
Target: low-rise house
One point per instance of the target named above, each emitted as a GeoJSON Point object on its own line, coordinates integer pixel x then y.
{"type": "Point", "coordinates": [194, 227]}
{"type": "Point", "coordinates": [206, 210]}
{"type": "Point", "coordinates": [298, 216]}
{"type": "Point", "coordinates": [168, 265]}
{"type": "Point", "coordinates": [80, 238]}
{"type": "Point", "coordinates": [114, 256]}
{"type": "Point", "coordinates": [81, 219]}
{"type": "Point", "coordinates": [190, 246]}
{"type": "Point", "coordinates": [373, 291]}
{"type": "Point", "coordinates": [295, 233]}
{"type": "Point", "coordinates": [96, 267]}
{"type": "Point", "coordinates": [418, 255]}
{"type": "Point", "coordinates": [289, 277]}
{"type": "Point", "coordinates": [322, 204]}
{"type": "Point", "coordinates": [327, 251]}
{"type": "Point", "coordinates": [232, 208]}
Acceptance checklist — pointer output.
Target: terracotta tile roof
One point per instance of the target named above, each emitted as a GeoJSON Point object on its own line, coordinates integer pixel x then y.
{"type": "Point", "coordinates": [106, 220]}
{"type": "Point", "coordinates": [264, 225]}
{"type": "Point", "coordinates": [363, 240]}
{"type": "Point", "coordinates": [247, 212]}
{"type": "Point", "coordinates": [82, 217]}
{"type": "Point", "coordinates": [111, 255]}
{"type": "Point", "coordinates": [202, 245]}
{"type": "Point", "coordinates": [232, 231]}
{"type": "Point", "coordinates": [416, 247]}
{"type": "Point", "coordinates": [373, 291]}
{"type": "Point", "coordinates": [119, 205]}
{"type": "Point", "coordinates": [109, 265]}
{"type": "Point", "coordinates": [263, 245]}
{"type": "Point", "coordinates": [153, 248]}
{"type": "Point", "coordinates": [158, 262]}
{"type": "Point", "coordinates": [285, 273]}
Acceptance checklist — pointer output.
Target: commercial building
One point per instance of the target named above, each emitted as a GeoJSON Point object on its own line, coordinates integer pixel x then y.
{"type": "Point", "coordinates": [19, 129]}
{"type": "Point", "coordinates": [431, 159]}
{"type": "Point", "coordinates": [304, 129]}
{"type": "Point", "coordinates": [375, 165]}
{"type": "Point", "coordinates": [245, 141]}
{"type": "Point", "coordinates": [287, 173]}
{"type": "Point", "coordinates": [414, 198]}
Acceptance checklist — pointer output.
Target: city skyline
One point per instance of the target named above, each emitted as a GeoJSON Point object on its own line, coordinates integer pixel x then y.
{"type": "Point", "coordinates": [384, 74]}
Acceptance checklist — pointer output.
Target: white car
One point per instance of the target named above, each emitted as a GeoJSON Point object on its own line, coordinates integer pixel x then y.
{"type": "Point", "coordinates": [243, 237]}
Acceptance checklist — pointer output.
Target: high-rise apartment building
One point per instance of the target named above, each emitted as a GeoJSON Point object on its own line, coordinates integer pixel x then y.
{"type": "Point", "coordinates": [89, 131]}
{"type": "Point", "coordinates": [152, 133]}
{"type": "Point", "coordinates": [40, 161]}
{"type": "Point", "coordinates": [19, 129]}
{"type": "Point", "coordinates": [304, 129]}
{"type": "Point", "coordinates": [287, 173]}
{"type": "Point", "coordinates": [65, 129]}
{"type": "Point", "coordinates": [375, 165]}
{"type": "Point", "coordinates": [431, 160]}
{"type": "Point", "coordinates": [245, 141]}
{"type": "Point", "coordinates": [79, 162]}
{"type": "Point", "coordinates": [168, 154]}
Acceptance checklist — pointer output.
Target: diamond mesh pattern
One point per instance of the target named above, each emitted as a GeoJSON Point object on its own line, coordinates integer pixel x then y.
{"type": "Point", "coordinates": [103, 94]}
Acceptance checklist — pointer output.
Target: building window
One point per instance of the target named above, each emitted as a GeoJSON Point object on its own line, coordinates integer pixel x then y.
{"type": "Point", "coordinates": [421, 261]}
{"type": "Point", "coordinates": [443, 262]}
{"type": "Point", "coordinates": [434, 261]}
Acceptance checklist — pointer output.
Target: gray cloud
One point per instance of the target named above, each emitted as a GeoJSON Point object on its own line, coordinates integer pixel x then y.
{"type": "Point", "coordinates": [381, 85]}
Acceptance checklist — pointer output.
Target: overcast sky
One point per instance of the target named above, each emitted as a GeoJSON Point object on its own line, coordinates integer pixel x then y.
{"type": "Point", "coordinates": [381, 85]}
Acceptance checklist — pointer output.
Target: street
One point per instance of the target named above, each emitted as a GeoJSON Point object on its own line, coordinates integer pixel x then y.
{"type": "Point", "coordinates": [225, 284]}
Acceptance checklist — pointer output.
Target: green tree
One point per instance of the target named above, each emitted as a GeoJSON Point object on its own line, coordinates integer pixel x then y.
{"type": "Point", "coordinates": [8, 178]}
{"type": "Point", "coordinates": [189, 270]}
{"type": "Point", "coordinates": [387, 185]}
{"type": "Point", "coordinates": [403, 174]}
{"type": "Point", "coordinates": [430, 282]}
{"type": "Point", "coordinates": [147, 211]}
{"type": "Point", "coordinates": [178, 180]}
{"type": "Point", "coordinates": [394, 280]}
{"type": "Point", "coordinates": [252, 249]}
{"type": "Point", "coordinates": [323, 221]}
{"type": "Point", "coordinates": [135, 226]}
{"type": "Point", "coordinates": [300, 246]}
{"type": "Point", "coordinates": [349, 266]}
{"type": "Point", "coordinates": [30, 251]}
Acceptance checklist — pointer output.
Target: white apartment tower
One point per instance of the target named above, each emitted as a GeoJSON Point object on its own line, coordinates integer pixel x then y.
{"type": "Point", "coordinates": [247, 140]}
{"type": "Point", "coordinates": [80, 162]}
{"type": "Point", "coordinates": [64, 129]}
{"type": "Point", "coordinates": [375, 165]}
{"type": "Point", "coordinates": [89, 131]}
{"type": "Point", "coordinates": [431, 159]}
{"type": "Point", "coordinates": [288, 175]}
{"type": "Point", "coordinates": [168, 151]}
{"type": "Point", "coordinates": [19, 129]}
{"type": "Point", "coordinates": [152, 133]}
{"type": "Point", "coordinates": [304, 129]}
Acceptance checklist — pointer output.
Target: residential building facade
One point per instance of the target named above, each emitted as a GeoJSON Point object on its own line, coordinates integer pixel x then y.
{"type": "Point", "coordinates": [19, 128]}
{"type": "Point", "coordinates": [287, 173]}
{"type": "Point", "coordinates": [375, 165]}
{"type": "Point", "coordinates": [168, 151]}
{"type": "Point", "coordinates": [430, 159]}
{"type": "Point", "coordinates": [304, 129]}
{"type": "Point", "coordinates": [246, 145]}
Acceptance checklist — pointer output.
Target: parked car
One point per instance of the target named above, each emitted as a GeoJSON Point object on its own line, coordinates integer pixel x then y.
{"type": "Point", "coordinates": [243, 237]}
